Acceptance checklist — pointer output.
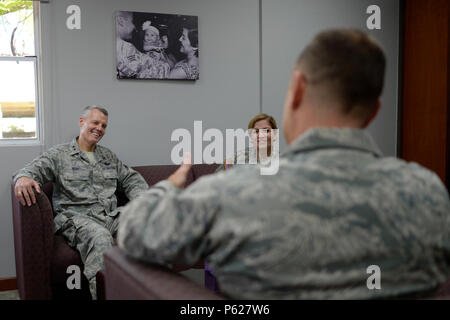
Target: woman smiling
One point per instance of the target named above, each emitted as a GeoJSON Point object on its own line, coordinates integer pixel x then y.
{"type": "Point", "coordinates": [188, 67]}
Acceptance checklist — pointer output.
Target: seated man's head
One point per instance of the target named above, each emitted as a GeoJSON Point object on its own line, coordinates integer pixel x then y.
{"type": "Point", "coordinates": [93, 122]}
{"type": "Point", "coordinates": [337, 82]}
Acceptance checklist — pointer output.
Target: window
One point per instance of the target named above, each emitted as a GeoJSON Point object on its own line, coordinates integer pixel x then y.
{"type": "Point", "coordinates": [18, 71]}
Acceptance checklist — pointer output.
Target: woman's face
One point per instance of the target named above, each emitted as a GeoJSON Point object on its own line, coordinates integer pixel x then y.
{"type": "Point", "coordinates": [185, 43]}
{"type": "Point", "coordinates": [261, 134]}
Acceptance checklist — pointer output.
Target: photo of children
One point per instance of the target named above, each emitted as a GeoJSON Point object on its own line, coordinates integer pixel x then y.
{"type": "Point", "coordinates": [156, 46]}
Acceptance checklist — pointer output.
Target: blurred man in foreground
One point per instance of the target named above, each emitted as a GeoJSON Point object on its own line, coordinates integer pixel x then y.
{"type": "Point", "coordinates": [336, 210]}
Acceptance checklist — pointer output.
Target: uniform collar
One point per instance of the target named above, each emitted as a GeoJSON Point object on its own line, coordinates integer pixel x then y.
{"type": "Point", "coordinates": [334, 138]}
{"type": "Point", "coordinates": [75, 149]}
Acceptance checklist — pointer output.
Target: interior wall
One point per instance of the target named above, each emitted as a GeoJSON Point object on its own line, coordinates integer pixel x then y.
{"type": "Point", "coordinates": [289, 25]}
{"type": "Point", "coordinates": [79, 69]}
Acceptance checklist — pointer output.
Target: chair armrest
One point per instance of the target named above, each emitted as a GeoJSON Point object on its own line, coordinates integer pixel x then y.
{"type": "Point", "coordinates": [128, 279]}
{"type": "Point", "coordinates": [443, 293]}
{"type": "Point", "coordinates": [181, 267]}
{"type": "Point", "coordinates": [33, 244]}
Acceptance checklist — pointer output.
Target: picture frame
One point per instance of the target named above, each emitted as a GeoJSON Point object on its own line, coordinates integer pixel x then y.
{"type": "Point", "coordinates": [156, 46]}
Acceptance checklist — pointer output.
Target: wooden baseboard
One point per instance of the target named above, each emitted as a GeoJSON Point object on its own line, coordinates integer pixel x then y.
{"type": "Point", "coordinates": [7, 284]}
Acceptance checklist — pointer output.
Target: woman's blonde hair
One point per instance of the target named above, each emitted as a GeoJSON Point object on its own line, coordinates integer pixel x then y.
{"type": "Point", "coordinates": [263, 116]}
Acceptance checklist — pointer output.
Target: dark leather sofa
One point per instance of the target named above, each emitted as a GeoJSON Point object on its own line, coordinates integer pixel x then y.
{"type": "Point", "coordinates": [42, 257]}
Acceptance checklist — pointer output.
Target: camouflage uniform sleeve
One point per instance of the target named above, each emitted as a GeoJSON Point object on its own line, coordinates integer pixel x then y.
{"type": "Point", "coordinates": [167, 225]}
{"type": "Point", "coordinates": [129, 59]}
{"type": "Point", "coordinates": [42, 169]}
{"type": "Point", "coordinates": [131, 182]}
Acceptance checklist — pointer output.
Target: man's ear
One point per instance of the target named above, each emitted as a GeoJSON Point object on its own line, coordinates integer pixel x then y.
{"type": "Point", "coordinates": [81, 121]}
{"type": "Point", "coordinates": [373, 115]}
{"type": "Point", "coordinates": [298, 88]}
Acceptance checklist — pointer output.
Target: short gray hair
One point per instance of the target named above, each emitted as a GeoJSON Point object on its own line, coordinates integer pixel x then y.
{"type": "Point", "coordinates": [349, 61]}
{"type": "Point", "coordinates": [87, 110]}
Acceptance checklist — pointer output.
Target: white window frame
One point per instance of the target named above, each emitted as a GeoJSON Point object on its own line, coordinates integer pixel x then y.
{"type": "Point", "coordinates": [38, 140]}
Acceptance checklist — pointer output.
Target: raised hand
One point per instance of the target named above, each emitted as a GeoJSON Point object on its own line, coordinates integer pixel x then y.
{"type": "Point", "coordinates": [179, 177]}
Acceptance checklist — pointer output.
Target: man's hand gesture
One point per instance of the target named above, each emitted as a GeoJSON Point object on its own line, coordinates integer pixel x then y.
{"type": "Point", "coordinates": [179, 177]}
{"type": "Point", "coordinates": [24, 190]}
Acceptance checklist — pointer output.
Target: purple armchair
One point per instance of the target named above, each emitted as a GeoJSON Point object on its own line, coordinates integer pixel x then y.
{"type": "Point", "coordinates": [42, 257]}
{"type": "Point", "coordinates": [128, 279]}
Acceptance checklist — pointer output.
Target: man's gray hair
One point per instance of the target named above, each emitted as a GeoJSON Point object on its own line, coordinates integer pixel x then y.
{"type": "Point", "coordinates": [87, 110]}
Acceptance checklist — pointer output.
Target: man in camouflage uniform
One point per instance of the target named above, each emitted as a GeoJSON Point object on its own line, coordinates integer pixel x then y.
{"type": "Point", "coordinates": [128, 58]}
{"type": "Point", "coordinates": [85, 177]}
{"type": "Point", "coordinates": [335, 209]}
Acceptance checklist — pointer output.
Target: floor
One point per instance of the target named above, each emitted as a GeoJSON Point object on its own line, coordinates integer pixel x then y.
{"type": "Point", "coordinates": [9, 295]}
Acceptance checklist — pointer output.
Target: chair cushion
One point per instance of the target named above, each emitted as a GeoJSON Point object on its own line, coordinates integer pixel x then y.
{"type": "Point", "coordinates": [48, 190]}
{"type": "Point", "coordinates": [154, 174]}
{"type": "Point", "coordinates": [199, 170]}
{"type": "Point", "coordinates": [100, 277]}
{"type": "Point", "coordinates": [63, 256]}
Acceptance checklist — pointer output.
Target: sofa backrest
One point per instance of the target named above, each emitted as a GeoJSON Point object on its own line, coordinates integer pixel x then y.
{"type": "Point", "coordinates": [156, 173]}
{"type": "Point", "coordinates": [152, 175]}
{"type": "Point", "coordinates": [199, 170]}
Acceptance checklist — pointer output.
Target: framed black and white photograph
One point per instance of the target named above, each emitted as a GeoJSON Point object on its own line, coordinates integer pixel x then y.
{"type": "Point", "coordinates": [156, 46]}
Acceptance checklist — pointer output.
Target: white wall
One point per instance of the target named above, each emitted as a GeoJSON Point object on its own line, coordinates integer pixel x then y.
{"type": "Point", "coordinates": [289, 25]}
{"type": "Point", "coordinates": [79, 69]}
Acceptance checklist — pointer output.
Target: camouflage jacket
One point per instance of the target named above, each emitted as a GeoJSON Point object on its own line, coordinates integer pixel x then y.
{"type": "Point", "coordinates": [335, 208]}
{"type": "Point", "coordinates": [80, 187]}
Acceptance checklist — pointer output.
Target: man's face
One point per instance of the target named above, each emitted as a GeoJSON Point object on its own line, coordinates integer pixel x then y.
{"type": "Point", "coordinates": [93, 127]}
